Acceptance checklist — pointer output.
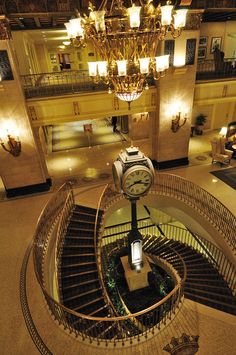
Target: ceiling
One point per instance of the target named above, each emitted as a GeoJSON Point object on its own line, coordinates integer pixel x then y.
{"type": "Point", "coordinates": [218, 16]}
{"type": "Point", "coordinates": [49, 26]}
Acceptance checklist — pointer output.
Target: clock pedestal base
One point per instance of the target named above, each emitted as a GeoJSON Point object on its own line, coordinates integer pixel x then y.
{"type": "Point", "coordinates": [136, 280]}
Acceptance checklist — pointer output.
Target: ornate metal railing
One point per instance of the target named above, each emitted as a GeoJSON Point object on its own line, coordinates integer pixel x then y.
{"type": "Point", "coordinates": [45, 226]}
{"type": "Point", "coordinates": [60, 83]}
{"type": "Point", "coordinates": [58, 209]}
{"type": "Point", "coordinates": [213, 254]}
{"type": "Point", "coordinates": [200, 200]}
{"type": "Point", "coordinates": [207, 69]}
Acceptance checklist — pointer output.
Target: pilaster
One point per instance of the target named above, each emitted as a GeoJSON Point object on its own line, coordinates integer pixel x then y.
{"type": "Point", "coordinates": [26, 173]}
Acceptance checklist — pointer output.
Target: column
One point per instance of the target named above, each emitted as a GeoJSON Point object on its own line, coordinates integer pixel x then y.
{"type": "Point", "coordinates": [27, 172]}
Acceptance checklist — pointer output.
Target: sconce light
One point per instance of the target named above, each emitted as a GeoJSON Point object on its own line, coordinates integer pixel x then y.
{"type": "Point", "coordinates": [12, 146]}
{"type": "Point", "coordinates": [223, 132]}
{"type": "Point", "coordinates": [176, 124]}
{"type": "Point", "coordinates": [180, 116]}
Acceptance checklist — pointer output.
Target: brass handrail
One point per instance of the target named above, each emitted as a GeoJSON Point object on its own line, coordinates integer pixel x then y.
{"type": "Point", "coordinates": [168, 185]}
{"type": "Point", "coordinates": [200, 200]}
{"type": "Point", "coordinates": [62, 313]}
{"type": "Point", "coordinates": [98, 250]}
{"type": "Point", "coordinates": [214, 255]}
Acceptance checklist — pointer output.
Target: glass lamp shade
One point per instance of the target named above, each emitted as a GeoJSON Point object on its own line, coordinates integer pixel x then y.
{"type": "Point", "coordinates": [136, 252]}
{"type": "Point", "coordinates": [102, 68]}
{"type": "Point", "coordinates": [166, 12]}
{"type": "Point", "coordinates": [99, 17]}
{"type": "Point", "coordinates": [122, 68]}
{"type": "Point", "coordinates": [180, 18]}
{"type": "Point", "coordinates": [179, 60]}
{"type": "Point", "coordinates": [128, 96]}
{"type": "Point", "coordinates": [77, 29]}
{"type": "Point", "coordinates": [70, 30]}
{"type": "Point", "coordinates": [92, 68]}
{"type": "Point", "coordinates": [162, 63]}
{"type": "Point", "coordinates": [134, 16]}
{"type": "Point", "coordinates": [144, 65]}
{"type": "Point", "coordinates": [223, 131]}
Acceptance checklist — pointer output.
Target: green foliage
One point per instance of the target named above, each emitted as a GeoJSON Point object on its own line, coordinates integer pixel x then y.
{"type": "Point", "coordinates": [200, 119]}
{"type": "Point", "coordinates": [162, 283]}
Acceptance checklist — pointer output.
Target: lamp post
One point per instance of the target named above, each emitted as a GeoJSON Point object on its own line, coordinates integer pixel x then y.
{"type": "Point", "coordinates": [133, 175]}
{"type": "Point", "coordinates": [135, 240]}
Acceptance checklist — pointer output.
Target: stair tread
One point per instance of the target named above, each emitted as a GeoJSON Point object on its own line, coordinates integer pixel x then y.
{"type": "Point", "coordinates": [89, 303]}
{"type": "Point", "coordinates": [75, 255]}
{"type": "Point", "coordinates": [88, 292]}
{"type": "Point", "coordinates": [78, 264]}
{"type": "Point", "coordinates": [71, 238]}
{"type": "Point", "coordinates": [79, 229]}
{"type": "Point", "coordinates": [67, 246]}
{"type": "Point", "coordinates": [78, 284]}
{"type": "Point", "coordinates": [211, 293]}
{"type": "Point", "coordinates": [79, 273]}
{"type": "Point", "coordinates": [209, 300]}
{"type": "Point", "coordinates": [206, 284]}
{"type": "Point", "coordinates": [98, 310]}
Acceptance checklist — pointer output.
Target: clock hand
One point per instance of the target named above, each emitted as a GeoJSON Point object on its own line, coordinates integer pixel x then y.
{"type": "Point", "coordinates": [134, 183]}
{"type": "Point", "coordinates": [138, 182]}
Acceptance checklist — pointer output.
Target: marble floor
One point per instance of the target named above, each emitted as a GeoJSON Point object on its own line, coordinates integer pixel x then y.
{"type": "Point", "coordinates": [91, 168]}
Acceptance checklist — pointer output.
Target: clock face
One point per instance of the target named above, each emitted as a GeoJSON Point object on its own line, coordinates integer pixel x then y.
{"type": "Point", "coordinates": [137, 181]}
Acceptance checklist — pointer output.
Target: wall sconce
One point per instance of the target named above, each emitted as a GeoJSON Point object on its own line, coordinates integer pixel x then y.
{"type": "Point", "coordinates": [12, 146]}
{"type": "Point", "coordinates": [223, 132]}
{"type": "Point", "coordinates": [180, 115]}
{"type": "Point", "coordinates": [179, 121]}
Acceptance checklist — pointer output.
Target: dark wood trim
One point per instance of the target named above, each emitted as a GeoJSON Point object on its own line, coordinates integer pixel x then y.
{"type": "Point", "coordinates": [170, 163]}
{"type": "Point", "coordinates": [29, 189]}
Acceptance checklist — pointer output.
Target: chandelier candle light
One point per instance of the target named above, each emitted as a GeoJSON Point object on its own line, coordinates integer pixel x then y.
{"type": "Point", "coordinates": [126, 41]}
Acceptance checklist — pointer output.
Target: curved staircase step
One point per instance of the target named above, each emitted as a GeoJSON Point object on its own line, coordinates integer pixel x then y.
{"type": "Point", "coordinates": [221, 305]}
{"type": "Point", "coordinates": [82, 294]}
{"type": "Point", "coordinates": [217, 289]}
{"type": "Point", "coordinates": [79, 284]}
{"type": "Point", "coordinates": [84, 307]}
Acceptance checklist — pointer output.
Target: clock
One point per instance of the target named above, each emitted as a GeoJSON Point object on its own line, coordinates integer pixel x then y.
{"type": "Point", "coordinates": [137, 180]}
{"type": "Point", "coordinates": [117, 173]}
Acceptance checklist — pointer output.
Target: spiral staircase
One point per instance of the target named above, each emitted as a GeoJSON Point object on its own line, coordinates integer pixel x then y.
{"type": "Point", "coordinates": [80, 246]}
{"type": "Point", "coordinates": [82, 291]}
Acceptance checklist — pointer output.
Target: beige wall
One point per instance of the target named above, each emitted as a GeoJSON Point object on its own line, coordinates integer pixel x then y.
{"type": "Point", "coordinates": [28, 168]}
{"type": "Point", "coordinates": [75, 107]}
{"type": "Point", "coordinates": [216, 100]}
{"type": "Point", "coordinates": [178, 85]}
{"type": "Point", "coordinates": [43, 58]}
{"type": "Point", "coordinates": [225, 30]}
{"type": "Point", "coordinates": [139, 125]}
{"type": "Point", "coordinates": [25, 51]}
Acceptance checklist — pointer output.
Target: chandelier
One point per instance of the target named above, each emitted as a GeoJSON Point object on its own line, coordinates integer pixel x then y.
{"type": "Point", "coordinates": [125, 40]}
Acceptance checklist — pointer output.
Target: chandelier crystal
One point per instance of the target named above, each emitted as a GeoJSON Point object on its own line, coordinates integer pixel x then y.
{"type": "Point", "coordinates": [126, 40]}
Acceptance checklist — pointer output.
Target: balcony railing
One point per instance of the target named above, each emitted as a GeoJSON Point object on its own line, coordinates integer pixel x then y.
{"type": "Point", "coordinates": [61, 83]}
{"type": "Point", "coordinates": [207, 69]}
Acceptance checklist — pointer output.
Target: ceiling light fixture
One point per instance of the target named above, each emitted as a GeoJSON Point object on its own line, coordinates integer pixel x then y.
{"type": "Point", "coordinates": [126, 41]}
{"type": "Point", "coordinates": [66, 43]}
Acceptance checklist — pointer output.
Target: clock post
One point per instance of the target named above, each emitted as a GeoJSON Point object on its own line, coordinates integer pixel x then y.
{"type": "Point", "coordinates": [133, 175]}
{"type": "Point", "coordinates": [135, 240]}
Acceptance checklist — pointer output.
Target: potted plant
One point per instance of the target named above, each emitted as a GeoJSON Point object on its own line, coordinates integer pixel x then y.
{"type": "Point", "coordinates": [199, 122]}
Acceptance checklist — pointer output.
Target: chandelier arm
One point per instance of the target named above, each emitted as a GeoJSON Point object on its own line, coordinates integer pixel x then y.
{"type": "Point", "coordinates": [4, 147]}
{"type": "Point", "coordinates": [103, 5]}
{"type": "Point", "coordinates": [175, 32]}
